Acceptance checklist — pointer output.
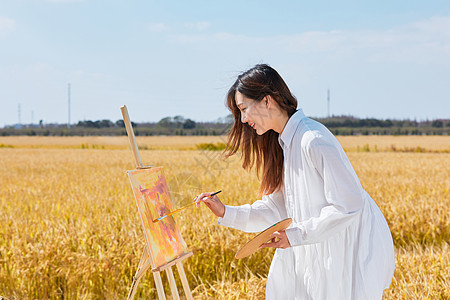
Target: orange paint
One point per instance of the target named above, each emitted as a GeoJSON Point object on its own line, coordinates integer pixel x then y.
{"type": "Point", "coordinates": [153, 200]}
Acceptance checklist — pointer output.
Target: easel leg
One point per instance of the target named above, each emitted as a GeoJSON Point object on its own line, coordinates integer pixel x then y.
{"type": "Point", "coordinates": [136, 277]}
{"type": "Point", "coordinates": [187, 290]}
{"type": "Point", "coordinates": [172, 283]}
{"type": "Point", "coordinates": [159, 286]}
{"type": "Point", "coordinates": [144, 264]}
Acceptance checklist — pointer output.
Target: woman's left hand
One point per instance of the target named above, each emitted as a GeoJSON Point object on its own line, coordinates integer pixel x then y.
{"type": "Point", "coordinates": [279, 239]}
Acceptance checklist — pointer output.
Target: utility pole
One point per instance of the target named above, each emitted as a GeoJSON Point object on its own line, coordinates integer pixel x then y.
{"type": "Point", "coordinates": [328, 103]}
{"type": "Point", "coordinates": [68, 105]}
{"type": "Point", "coordinates": [20, 121]}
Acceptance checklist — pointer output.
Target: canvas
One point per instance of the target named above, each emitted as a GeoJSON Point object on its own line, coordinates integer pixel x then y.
{"type": "Point", "coordinates": [153, 200]}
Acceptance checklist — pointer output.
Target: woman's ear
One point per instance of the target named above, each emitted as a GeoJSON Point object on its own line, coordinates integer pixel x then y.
{"type": "Point", "coordinates": [268, 101]}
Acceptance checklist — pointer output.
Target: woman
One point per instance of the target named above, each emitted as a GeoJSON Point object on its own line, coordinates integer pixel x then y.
{"type": "Point", "coordinates": [339, 245]}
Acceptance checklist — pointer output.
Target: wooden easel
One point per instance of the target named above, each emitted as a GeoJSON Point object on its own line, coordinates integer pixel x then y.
{"type": "Point", "coordinates": [146, 259]}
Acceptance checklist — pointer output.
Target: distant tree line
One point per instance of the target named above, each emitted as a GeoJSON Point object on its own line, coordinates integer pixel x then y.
{"type": "Point", "coordinates": [352, 122]}
{"type": "Point", "coordinates": [178, 125]}
{"type": "Point", "coordinates": [102, 124]}
{"type": "Point", "coordinates": [348, 125]}
{"type": "Point", "coordinates": [176, 122]}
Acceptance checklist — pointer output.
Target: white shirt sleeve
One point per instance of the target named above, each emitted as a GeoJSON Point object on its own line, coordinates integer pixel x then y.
{"type": "Point", "coordinates": [342, 189]}
{"type": "Point", "coordinates": [257, 216]}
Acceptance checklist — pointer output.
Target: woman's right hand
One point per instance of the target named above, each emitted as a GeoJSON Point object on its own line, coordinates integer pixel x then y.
{"type": "Point", "coordinates": [213, 203]}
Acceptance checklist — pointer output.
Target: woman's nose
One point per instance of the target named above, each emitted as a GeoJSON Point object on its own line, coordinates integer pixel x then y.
{"type": "Point", "coordinates": [243, 118]}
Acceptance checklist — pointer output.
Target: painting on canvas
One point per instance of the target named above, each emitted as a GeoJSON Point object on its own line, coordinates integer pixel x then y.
{"type": "Point", "coordinates": [153, 200]}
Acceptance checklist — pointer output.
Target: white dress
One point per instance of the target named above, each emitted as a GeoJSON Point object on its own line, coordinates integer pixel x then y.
{"type": "Point", "coordinates": [341, 244]}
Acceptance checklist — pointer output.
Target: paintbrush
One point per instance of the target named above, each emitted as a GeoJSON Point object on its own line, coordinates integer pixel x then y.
{"type": "Point", "coordinates": [177, 210]}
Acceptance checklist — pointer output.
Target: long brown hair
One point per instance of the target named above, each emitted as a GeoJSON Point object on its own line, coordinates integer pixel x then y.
{"type": "Point", "coordinates": [262, 150]}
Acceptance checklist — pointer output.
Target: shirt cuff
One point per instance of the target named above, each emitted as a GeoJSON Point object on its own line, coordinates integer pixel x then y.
{"type": "Point", "coordinates": [229, 216]}
{"type": "Point", "coordinates": [295, 236]}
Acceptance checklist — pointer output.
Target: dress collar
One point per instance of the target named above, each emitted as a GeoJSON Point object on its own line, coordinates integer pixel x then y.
{"type": "Point", "coordinates": [287, 134]}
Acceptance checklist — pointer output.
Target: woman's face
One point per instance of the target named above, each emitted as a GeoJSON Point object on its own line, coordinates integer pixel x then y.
{"type": "Point", "coordinates": [255, 113]}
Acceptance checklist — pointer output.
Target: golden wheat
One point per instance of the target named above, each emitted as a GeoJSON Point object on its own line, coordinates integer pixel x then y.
{"type": "Point", "coordinates": [70, 227]}
{"type": "Point", "coordinates": [373, 143]}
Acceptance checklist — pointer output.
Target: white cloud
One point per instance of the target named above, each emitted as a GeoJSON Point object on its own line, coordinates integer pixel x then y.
{"type": "Point", "coordinates": [158, 27]}
{"type": "Point", "coordinates": [425, 41]}
{"type": "Point", "coordinates": [433, 26]}
{"type": "Point", "coordinates": [6, 25]}
{"type": "Point", "coordinates": [200, 26]}
{"type": "Point", "coordinates": [189, 38]}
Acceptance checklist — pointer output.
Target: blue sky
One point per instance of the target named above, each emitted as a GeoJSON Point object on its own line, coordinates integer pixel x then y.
{"type": "Point", "coordinates": [384, 59]}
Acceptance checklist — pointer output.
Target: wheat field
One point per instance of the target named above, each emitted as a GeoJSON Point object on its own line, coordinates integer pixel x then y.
{"type": "Point", "coordinates": [70, 227]}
